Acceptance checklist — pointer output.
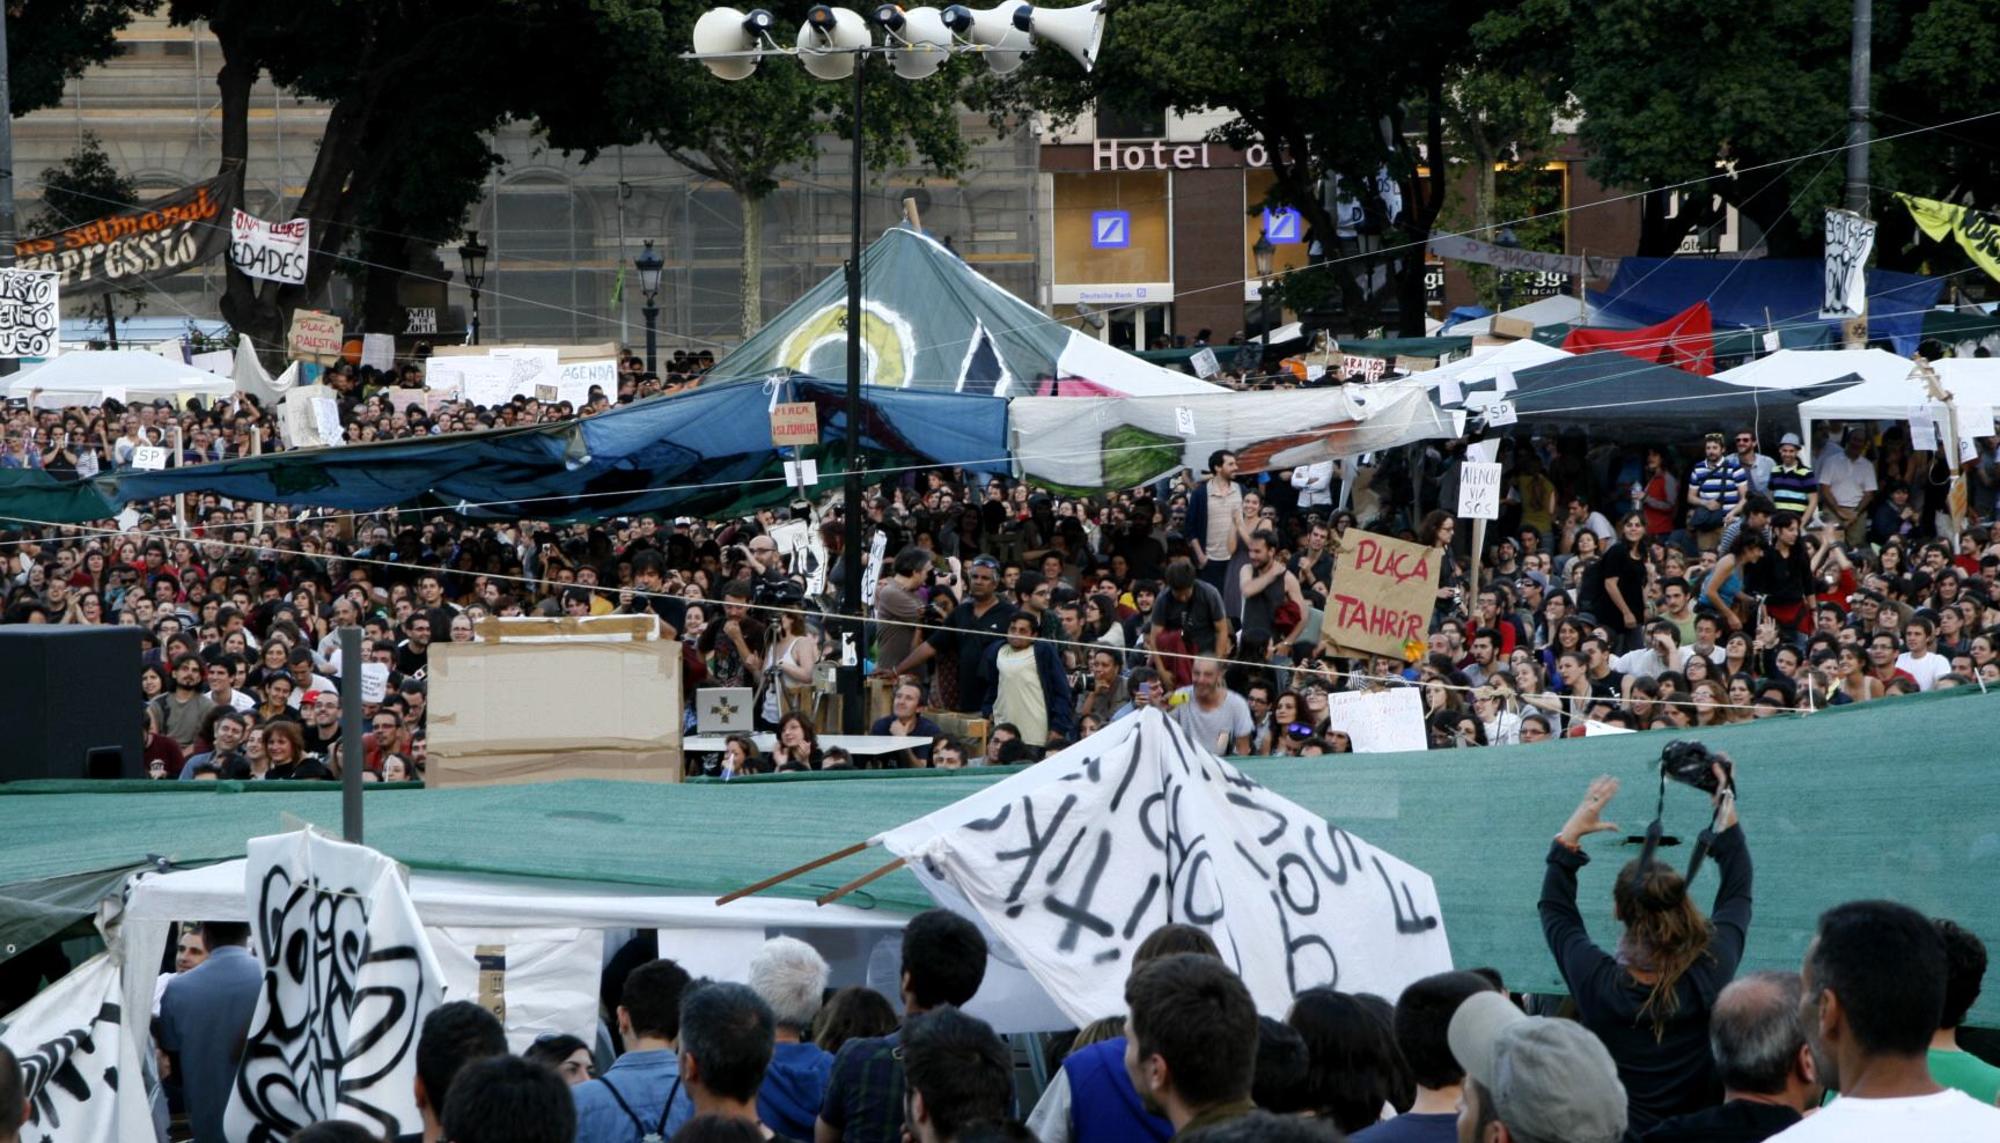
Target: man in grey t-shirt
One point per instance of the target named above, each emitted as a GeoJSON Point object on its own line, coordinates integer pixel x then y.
{"type": "Point", "coordinates": [1211, 713]}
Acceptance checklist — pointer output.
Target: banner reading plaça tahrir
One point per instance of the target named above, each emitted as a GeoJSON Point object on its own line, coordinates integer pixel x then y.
{"type": "Point", "coordinates": [139, 244]}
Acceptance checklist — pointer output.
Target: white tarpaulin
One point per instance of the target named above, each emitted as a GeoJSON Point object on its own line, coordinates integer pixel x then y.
{"type": "Point", "coordinates": [89, 378]}
{"type": "Point", "coordinates": [538, 981]}
{"type": "Point", "coordinates": [251, 378]}
{"type": "Point", "coordinates": [1071, 863]}
{"type": "Point", "coordinates": [1124, 442]}
{"type": "Point", "coordinates": [73, 1052]}
{"type": "Point", "coordinates": [348, 980]}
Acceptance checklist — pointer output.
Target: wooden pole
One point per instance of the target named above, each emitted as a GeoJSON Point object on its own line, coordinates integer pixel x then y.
{"type": "Point", "coordinates": [858, 882]}
{"type": "Point", "coordinates": [788, 874]}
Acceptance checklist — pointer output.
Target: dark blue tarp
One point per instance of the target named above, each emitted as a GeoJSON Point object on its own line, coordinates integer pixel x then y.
{"type": "Point", "coordinates": [1759, 293]}
{"type": "Point", "coordinates": [695, 451]}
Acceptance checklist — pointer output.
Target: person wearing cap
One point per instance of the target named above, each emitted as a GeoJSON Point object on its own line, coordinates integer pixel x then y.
{"type": "Point", "coordinates": [1532, 1079]}
{"type": "Point", "coordinates": [1793, 487]}
{"type": "Point", "coordinates": [1649, 1001]}
{"type": "Point", "coordinates": [1847, 484]}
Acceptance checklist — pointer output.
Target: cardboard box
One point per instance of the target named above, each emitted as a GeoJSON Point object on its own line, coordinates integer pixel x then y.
{"type": "Point", "coordinates": [506, 712]}
{"type": "Point", "coordinates": [1516, 328]}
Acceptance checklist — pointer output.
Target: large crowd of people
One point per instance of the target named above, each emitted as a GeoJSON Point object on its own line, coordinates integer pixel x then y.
{"type": "Point", "coordinates": [1625, 585]}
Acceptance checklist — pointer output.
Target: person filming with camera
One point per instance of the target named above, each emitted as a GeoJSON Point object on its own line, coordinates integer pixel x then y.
{"type": "Point", "coordinates": [1650, 999]}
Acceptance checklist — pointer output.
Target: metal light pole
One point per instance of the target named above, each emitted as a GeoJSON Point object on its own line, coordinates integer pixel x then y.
{"type": "Point", "coordinates": [7, 364]}
{"type": "Point", "coordinates": [472, 262]}
{"type": "Point", "coordinates": [1854, 331]}
{"type": "Point", "coordinates": [1264, 253]}
{"type": "Point", "coordinates": [650, 264]}
{"type": "Point", "coordinates": [834, 44]}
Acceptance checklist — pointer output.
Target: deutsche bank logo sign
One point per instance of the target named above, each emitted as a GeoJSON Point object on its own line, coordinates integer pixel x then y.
{"type": "Point", "coordinates": [1282, 226]}
{"type": "Point", "coordinates": [1110, 229]}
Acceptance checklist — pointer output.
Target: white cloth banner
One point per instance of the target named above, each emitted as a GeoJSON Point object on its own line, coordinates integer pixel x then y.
{"type": "Point", "coordinates": [75, 1056]}
{"type": "Point", "coordinates": [528, 367]}
{"type": "Point", "coordinates": [1463, 249]}
{"type": "Point", "coordinates": [348, 980]}
{"type": "Point", "coordinates": [1379, 722]}
{"type": "Point", "coordinates": [1850, 238]}
{"type": "Point", "coordinates": [539, 980]}
{"type": "Point", "coordinates": [483, 381]}
{"type": "Point", "coordinates": [1124, 442]}
{"type": "Point", "coordinates": [274, 251]}
{"type": "Point", "coordinates": [1073, 862]}
{"type": "Point", "coordinates": [30, 313]}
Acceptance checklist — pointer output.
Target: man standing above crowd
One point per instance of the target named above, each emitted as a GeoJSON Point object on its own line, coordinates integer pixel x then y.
{"type": "Point", "coordinates": [976, 624]}
{"type": "Point", "coordinates": [1189, 619]}
{"type": "Point", "coordinates": [1716, 488]}
{"type": "Point", "coordinates": [1847, 484]}
{"type": "Point", "coordinates": [1215, 524]}
{"type": "Point", "coordinates": [1267, 588]}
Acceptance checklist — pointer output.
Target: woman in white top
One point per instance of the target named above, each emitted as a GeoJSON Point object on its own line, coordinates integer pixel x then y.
{"type": "Point", "coordinates": [797, 650]}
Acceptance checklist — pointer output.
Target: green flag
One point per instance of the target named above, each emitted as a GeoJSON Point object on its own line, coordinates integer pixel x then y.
{"type": "Point", "coordinates": [618, 287]}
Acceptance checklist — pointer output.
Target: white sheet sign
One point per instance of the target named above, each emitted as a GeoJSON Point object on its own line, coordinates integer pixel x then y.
{"type": "Point", "coordinates": [576, 377]}
{"type": "Point", "coordinates": [531, 366]}
{"type": "Point", "coordinates": [546, 978]}
{"type": "Point", "coordinates": [1849, 240]}
{"type": "Point", "coordinates": [30, 313]}
{"type": "Point", "coordinates": [149, 458]}
{"type": "Point", "coordinates": [274, 251]}
{"type": "Point", "coordinates": [1479, 491]}
{"type": "Point", "coordinates": [1072, 862]}
{"type": "Point", "coordinates": [348, 980]}
{"type": "Point", "coordinates": [482, 381]}
{"type": "Point", "coordinates": [73, 1052]}
{"type": "Point", "coordinates": [1379, 722]}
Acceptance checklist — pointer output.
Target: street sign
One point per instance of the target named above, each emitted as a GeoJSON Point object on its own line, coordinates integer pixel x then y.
{"type": "Point", "coordinates": [1282, 226]}
{"type": "Point", "coordinates": [1110, 229]}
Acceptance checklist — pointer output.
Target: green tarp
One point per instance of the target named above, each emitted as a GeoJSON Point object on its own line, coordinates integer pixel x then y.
{"type": "Point", "coordinates": [1896, 799]}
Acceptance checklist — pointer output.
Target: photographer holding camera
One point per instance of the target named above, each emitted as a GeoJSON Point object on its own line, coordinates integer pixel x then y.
{"type": "Point", "coordinates": [1649, 1000]}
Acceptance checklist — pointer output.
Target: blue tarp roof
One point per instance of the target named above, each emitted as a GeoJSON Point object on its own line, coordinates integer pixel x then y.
{"type": "Point", "coordinates": [698, 451]}
{"type": "Point", "coordinates": [1756, 293]}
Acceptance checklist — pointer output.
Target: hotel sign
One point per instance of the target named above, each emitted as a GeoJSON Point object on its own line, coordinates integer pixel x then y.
{"type": "Point", "coordinates": [1160, 155]}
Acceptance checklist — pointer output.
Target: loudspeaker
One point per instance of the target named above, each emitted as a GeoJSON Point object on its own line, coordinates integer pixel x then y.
{"type": "Point", "coordinates": [1077, 31]}
{"type": "Point", "coordinates": [919, 38]}
{"type": "Point", "coordinates": [69, 702]}
{"type": "Point", "coordinates": [828, 40]}
{"type": "Point", "coordinates": [997, 28]}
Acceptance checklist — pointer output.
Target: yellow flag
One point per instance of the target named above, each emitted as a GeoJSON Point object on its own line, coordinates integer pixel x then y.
{"type": "Point", "coordinates": [1978, 234]}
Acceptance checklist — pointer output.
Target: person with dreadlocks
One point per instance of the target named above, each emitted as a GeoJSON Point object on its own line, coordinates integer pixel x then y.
{"type": "Point", "coordinates": [1650, 999]}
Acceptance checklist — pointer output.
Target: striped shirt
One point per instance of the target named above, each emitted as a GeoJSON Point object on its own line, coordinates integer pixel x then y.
{"type": "Point", "coordinates": [1723, 482]}
{"type": "Point", "coordinates": [1793, 488]}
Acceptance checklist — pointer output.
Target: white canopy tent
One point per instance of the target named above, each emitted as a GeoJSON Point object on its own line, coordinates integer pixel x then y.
{"type": "Point", "coordinates": [1801, 368]}
{"type": "Point", "coordinates": [1970, 384]}
{"type": "Point", "coordinates": [125, 376]}
{"type": "Point", "coordinates": [1488, 361]}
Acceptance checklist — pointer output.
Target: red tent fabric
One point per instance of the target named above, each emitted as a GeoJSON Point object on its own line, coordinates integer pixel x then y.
{"type": "Point", "coordinates": [1683, 341]}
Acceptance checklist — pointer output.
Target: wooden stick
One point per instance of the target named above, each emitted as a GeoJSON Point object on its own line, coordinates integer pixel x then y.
{"type": "Point", "coordinates": [858, 882]}
{"type": "Point", "coordinates": [788, 874]}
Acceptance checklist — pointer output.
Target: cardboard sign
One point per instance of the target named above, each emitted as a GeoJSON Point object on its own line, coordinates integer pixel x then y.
{"type": "Point", "coordinates": [315, 334]}
{"type": "Point", "coordinates": [1367, 368]}
{"type": "Point", "coordinates": [374, 682]}
{"type": "Point", "coordinates": [1479, 491]}
{"type": "Point", "coordinates": [1379, 722]}
{"type": "Point", "coordinates": [274, 251]}
{"type": "Point", "coordinates": [1500, 414]}
{"type": "Point", "coordinates": [420, 319]}
{"type": "Point", "coordinates": [801, 473]}
{"type": "Point", "coordinates": [30, 313]}
{"type": "Point", "coordinates": [378, 350]}
{"type": "Point", "coordinates": [794, 423]}
{"type": "Point", "coordinates": [1384, 590]}
{"type": "Point", "coordinates": [149, 458]}
{"type": "Point", "coordinates": [546, 394]}
{"type": "Point", "coordinates": [1205, 364]}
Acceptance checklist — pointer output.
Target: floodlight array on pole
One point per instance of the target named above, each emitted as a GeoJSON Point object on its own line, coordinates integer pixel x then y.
{"type": "Point", "coordinates": [833, 44]}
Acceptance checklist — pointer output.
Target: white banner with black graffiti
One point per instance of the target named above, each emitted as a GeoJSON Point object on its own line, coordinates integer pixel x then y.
{"type": "Point", "coordinates": [1850, 238]}
{"type": "Point", "coordinates": [1073, 862]}
{"type": "Point", "coordinates": [73, 1053]}
{"type": "Point", "coordinates": [30, 313]}
{"type": "Point", "coordinates": [348, 980]}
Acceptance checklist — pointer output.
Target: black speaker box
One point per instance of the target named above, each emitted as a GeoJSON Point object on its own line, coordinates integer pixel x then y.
{"type": "Point", "coordinates": [70, 703]}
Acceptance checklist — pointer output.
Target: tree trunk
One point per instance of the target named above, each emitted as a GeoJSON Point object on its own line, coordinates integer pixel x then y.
{"type": "Point", "coordinates": [753, 263]}
{"type": "Point", "coordinates": [242, 307]}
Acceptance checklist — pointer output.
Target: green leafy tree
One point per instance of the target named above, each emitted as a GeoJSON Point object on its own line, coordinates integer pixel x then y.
{"type": "Point", "coordinates": [52, 41]}
{"type": "Point", "coordinates": [745, 134]}
{"type": "Point", "coordinates": [1333, 89]}
{"type": "Point", "coordinates": [87, 185]}
{"type": "Point", "coordinates": [411, 90]}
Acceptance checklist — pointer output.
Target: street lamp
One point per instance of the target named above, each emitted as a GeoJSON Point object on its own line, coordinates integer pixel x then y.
{"type": "Point", "coordinates": [834, 44]}
{"type": "Point", "coordinates": [1263, 253]}
{"type": "Point", "coordinates": [650, 263]}
{"type": "Point", "coordinates": [472, 261]}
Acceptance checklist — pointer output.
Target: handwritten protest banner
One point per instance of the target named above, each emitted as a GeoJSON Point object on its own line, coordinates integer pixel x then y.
{"type": "Point", "coordinates": [794, 423]}
{"type": "Point", "coordinates": [1479, 491]}
{"type": "Point", "coordinates": [1384, 590]}
{"type": "Point", "coordinates": [1070, 864]}
{"type": "Point", "coordinates": [1379, 722]}
{"type": "Point", "coordinates": [274, 251]}
{"type": "Point", "coordinates": [315, 334]}
{"type": "Point", "coordinates": [134, 245]}
{"type": "Point", "coordinates": [578, 377]}
{"type": "Point", "coordinates": [30, 313]}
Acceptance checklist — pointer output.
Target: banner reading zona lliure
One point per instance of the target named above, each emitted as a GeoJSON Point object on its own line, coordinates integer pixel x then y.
{"type": "Point", "coordinates": [139, 244]}
{"type": "Point", "coordinates": [275, 251]}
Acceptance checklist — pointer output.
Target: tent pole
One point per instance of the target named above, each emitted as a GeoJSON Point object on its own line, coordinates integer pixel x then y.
{"type": "Point", "coordinates": [858, 882]}
{"type": "Point", "coordinates": [788, 874]}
